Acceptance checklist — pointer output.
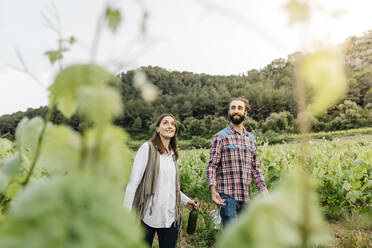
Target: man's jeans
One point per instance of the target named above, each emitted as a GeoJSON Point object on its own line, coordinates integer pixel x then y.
{"type": "Point", "coordinates": [231, 209]}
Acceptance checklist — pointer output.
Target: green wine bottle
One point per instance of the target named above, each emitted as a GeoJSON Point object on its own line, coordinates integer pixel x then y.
{"type": "Point", "coordinates": [191, 224]}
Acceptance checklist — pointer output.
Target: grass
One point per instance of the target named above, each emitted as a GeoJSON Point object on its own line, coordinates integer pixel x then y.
{"type": "Point", "coordinates": [351, 233]}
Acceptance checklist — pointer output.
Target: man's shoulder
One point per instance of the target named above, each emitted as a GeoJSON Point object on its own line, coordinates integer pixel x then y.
{"type": "Point", "coordinates": [224, 133]}
{"type": "Point", "coordinates": [250, 136]}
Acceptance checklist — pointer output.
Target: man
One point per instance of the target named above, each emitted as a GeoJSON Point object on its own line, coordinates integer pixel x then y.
{"type": "Point", "coordinates": [233, 161]}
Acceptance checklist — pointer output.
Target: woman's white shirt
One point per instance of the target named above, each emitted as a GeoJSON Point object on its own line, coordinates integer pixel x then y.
{"type": "Point", "coordinates": [164, 201]}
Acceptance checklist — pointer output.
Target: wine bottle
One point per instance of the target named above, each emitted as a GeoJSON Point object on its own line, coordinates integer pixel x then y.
{"type": "Point", "coordinates": [191, 224]}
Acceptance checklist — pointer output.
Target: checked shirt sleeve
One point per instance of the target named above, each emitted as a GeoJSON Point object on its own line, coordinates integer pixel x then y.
{"type": "Point", "coordinates": [215, 150]}
{"type": "Point", "coordinates": [257, 171]}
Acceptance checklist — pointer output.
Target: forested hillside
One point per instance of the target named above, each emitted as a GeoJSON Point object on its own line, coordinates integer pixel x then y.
{"type": "Point", "coordinates": [199, 101]}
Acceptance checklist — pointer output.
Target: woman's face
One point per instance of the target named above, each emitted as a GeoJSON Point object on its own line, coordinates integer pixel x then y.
{"type": "Point", "coordinates": [167, 127]}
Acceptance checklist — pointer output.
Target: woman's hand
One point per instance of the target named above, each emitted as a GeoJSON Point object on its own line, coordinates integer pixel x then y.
{"type": "Point", "coordinates": [193, 204]}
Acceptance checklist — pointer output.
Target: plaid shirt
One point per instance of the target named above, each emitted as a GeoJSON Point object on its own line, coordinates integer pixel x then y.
{"type": "Point", "coordinates": [233, 160]}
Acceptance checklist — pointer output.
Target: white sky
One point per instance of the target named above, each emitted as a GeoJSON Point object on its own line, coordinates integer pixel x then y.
{"type": "Point", "coordinates": [186, 35]}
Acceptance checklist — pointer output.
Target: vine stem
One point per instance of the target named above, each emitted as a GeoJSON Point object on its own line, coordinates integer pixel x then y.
{"type": "Point", "coordinates": [304, 125]}
{"type": "Point", "coordinates": [39, 143]}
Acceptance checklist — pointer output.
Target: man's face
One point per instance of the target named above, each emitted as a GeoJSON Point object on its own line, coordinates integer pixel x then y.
{"type": "Point", "coordinates": [237, 112]}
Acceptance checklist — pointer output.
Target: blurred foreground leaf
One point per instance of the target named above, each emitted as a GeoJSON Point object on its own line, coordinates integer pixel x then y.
{"type": "Point", "coordinates": [60, 150]}
{"type": "Point", "coordinates": [27, 136]}
{"type": "Point", "coordinates": [99, 105]}
{"type": "Point", "coordinates": [54, 55]}
{"type": "Point", "coordinates": [323, 73]}
{"type": "Point", "coordinates": [298, 11]}
{"type": "Point", "coordinates": [149, 92]}
{"type": "Point", "coordinates": [6, 148]}
{"type": "Point", "coordinates": [109, 156]}
{"type": "Point", "coordinates": [11, 167]}
{"type": "Point", "coordinates": [76, 212]}
{"type": "Point", "coordinates": [65, 89]}
{"type": "Point", "coordinates": [113, 18]}
{"type": "Point", "coordinates": [277, 221]}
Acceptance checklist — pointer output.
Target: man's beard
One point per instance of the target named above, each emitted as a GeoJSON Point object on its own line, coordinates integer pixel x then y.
{"type": "Point", "coordinates": [238, 120]}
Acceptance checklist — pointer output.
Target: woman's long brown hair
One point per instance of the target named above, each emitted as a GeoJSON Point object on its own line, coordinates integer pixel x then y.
{"type": "Point", "coordinates": [156, 140]}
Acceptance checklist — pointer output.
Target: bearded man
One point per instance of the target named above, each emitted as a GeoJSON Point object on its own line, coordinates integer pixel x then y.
{"type": "Point", "coordinates": [233, 161]}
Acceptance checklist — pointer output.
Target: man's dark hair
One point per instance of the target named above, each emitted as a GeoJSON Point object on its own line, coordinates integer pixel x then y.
{"type": "Point", "coordinates": [242, 99]}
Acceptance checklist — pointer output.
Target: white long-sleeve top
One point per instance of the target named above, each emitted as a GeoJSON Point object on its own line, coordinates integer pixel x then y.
{"type": "Point", "coordinates": [163, 210]}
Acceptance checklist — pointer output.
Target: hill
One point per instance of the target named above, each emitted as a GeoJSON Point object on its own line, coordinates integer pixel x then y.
{"type": "Point", "coordinates": [199, 101]}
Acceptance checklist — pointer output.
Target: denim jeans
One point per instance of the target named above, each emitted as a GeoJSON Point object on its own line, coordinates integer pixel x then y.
{"type": "Point", "coordinates": [167, 236]}
{"type": "Point", "coordinates": [231, 209]}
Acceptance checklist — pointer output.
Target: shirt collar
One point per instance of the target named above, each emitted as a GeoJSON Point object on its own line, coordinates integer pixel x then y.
{"type": "Point", "coordinates": [232, 129]}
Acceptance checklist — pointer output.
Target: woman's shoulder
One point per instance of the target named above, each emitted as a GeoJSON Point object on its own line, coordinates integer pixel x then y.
{"type": "Point", "coordinates": [144, 147]}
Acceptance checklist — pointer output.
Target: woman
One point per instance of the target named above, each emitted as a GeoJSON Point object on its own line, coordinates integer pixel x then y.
{"type": "Point", "coordinates": [154, 186]}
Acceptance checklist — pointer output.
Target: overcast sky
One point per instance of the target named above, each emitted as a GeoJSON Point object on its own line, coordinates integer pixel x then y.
{"type": "Point", "coordinates": [218, 37]}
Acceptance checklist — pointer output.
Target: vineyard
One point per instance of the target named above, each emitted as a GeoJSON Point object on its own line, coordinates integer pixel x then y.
{"type": "Point", "coordinates": [64, 172]}
{"type": "Point", "coordinates": [342, 172]}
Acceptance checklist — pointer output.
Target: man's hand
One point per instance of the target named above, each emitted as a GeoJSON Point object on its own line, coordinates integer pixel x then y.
{"type": "Point", "coordinates": [216, 197]}
{"type": "Point", "coordinates": [193, 204]}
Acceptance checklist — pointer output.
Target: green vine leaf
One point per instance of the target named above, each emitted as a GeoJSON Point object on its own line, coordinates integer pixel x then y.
{"type": "Point", "coordinates": [54, 56]}
{"type": "Point", "coordinates": [65, 89]}
{"type": "Point", "coordinates": [70, 211]}
{"type": "Point", "coordinates": [27, 136]}
{"type": "Point", "coordinates": [99, 104]}
{"type": "Point", "coordinates": [11, 168]}
{"type": "Point", "coordinates": [113, 18]}
{"type": "Point", "coordinates": [60, 151]}
{"type": "Point", "coordinates": [72, 40]}
{"type": "Point", "coordinates": [110, 156]}
{"type": "Point", "coordinates": [6, 148]}
{"type": "Point", "coordinates": [323, 72]}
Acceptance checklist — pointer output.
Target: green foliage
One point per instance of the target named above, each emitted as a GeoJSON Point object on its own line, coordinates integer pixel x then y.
{"type": "Point", "coordinates": [10, 168]}
{"type": "Point", "coordinates": [113, 18]}
{"type": "Point", "coordinates": [271, 137]}
{"type": "Point", "coordinates": [286, 216]}
{"type": "Point", "coordinates": [368, 97]}
{"type": "Point", "coordinates": [27, 137]}
{"type": "Point", "coordinates": [99, 104]}
{"type": "Point", "coordinates": [75, 185]}
{"type": "Point", "coordinates": [60, 150]}
{"type": "Point", "coordinates": [54, 55]}
{"type": "Point", "coordinates": [65, 91]}
{"type": "Point", "coordinates": [6, 148]}
{"type": "Point", "coordinates": [349, 115]}
{"type": "Point", "coordinates": [323, 73]}
{"type": "Point", "coordinates": [74, 198]}
{"type": "Point", "coordinates": [199, 101]}
{"type": "Point", "coordinates": [80, 211]}
{"type": "Point", "coordinates": [356, 239]}
{"type": "Point", "coordinates": [278, 122]}
{"type": "Point", "coordinates": [341, 169]}
{"type": "Point", "coordinates": [198, 142]}
{"type": "Point", "coordinates": [206, 234]}
{"type": "Point", "coordinates": [250, 124]}
{"type": "Point", "coordinates": [107, 154]}
{"type": "Point", "coordinates": [192, 173]}
{"type": "Point", "coordinates": [204, 128]}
